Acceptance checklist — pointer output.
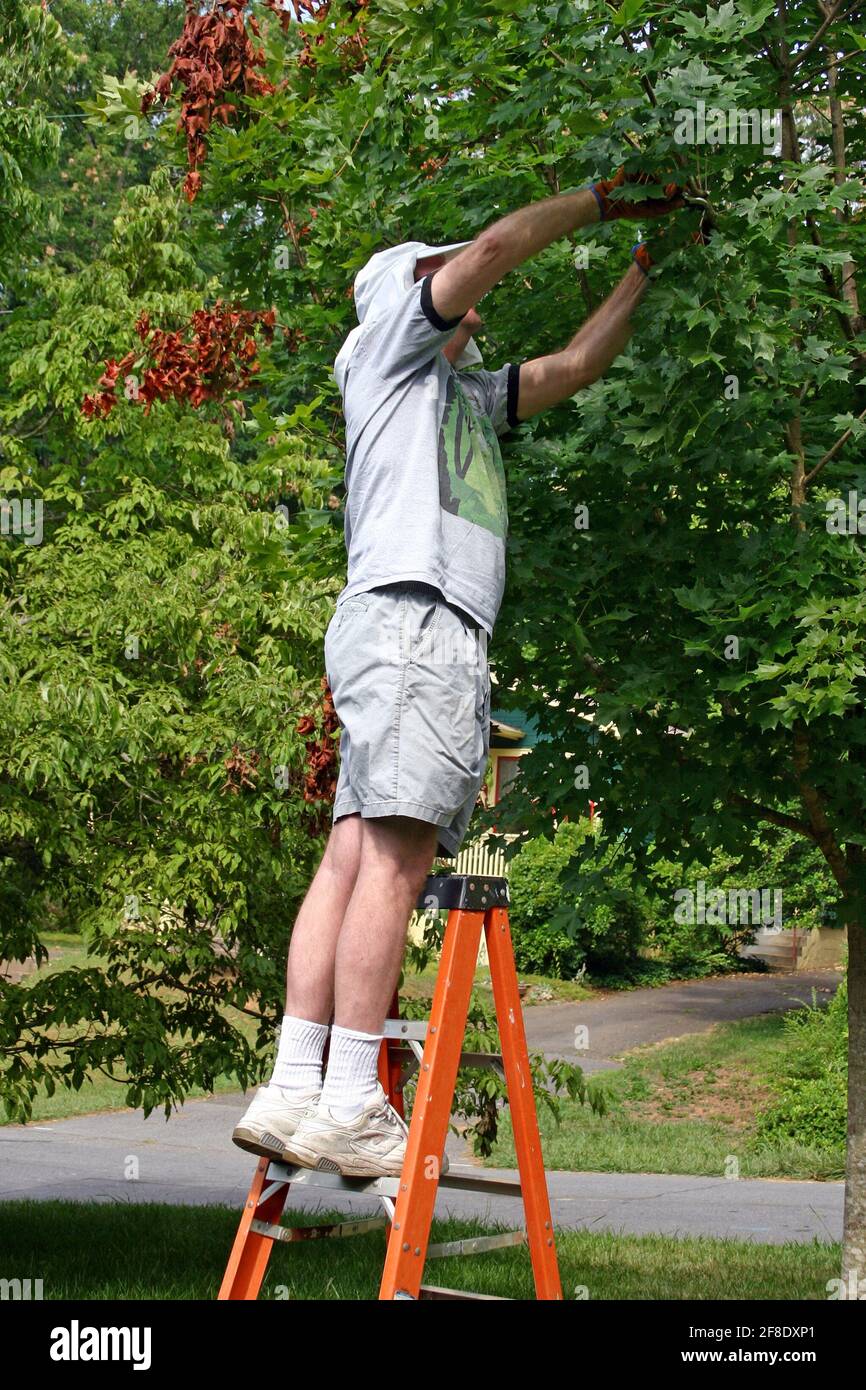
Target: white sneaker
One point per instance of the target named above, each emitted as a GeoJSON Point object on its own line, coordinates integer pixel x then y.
{"type": "Point", "coordinates": [271, 1120]}
{"type": "Point", "coordinates": [373, 1145]}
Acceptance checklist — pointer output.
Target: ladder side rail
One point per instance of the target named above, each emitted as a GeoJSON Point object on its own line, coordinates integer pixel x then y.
{"type": "Point", "coordinates": [431, 1112]}
{"type": "Point", "coordinates": [521, 1100]}
{"type": "Point", "coordinates": [250, 1253]}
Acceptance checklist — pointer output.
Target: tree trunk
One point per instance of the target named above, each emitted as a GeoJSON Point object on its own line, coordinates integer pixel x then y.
{"type": "Point", "coordinates": [846, 866]}
{"type": "Point", "coordinates": [837, 124]}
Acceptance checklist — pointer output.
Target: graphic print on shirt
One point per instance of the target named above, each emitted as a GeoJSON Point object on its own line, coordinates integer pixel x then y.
{"type": "Point", "coordinates": [471, 475]}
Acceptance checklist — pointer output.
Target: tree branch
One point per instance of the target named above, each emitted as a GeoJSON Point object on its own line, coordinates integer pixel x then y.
{"type": "Point", "coordinates": [642, 77]}
{"type": "Point", "coordinates": [829, 283]}
{"type": "Point", "coordinates": [831, 453]}
{"type": "Point", "coordinates": [794, 438]}
{"type": "Point", "coordinates": [831, 13]}
{"type": "Point", "coordinates": [813, 801]}
{"type": "Point", "coordinates": [754, 808]}
{"type": "Point", "coordinates": [837, 126]}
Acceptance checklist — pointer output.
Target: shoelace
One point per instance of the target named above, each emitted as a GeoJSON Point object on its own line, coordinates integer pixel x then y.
{"type": "Point", "coordinates": [390, 1115]}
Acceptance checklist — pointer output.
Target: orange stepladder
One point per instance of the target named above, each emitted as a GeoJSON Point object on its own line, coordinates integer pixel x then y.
{"type": "Point", "coordinates": [474, 904]}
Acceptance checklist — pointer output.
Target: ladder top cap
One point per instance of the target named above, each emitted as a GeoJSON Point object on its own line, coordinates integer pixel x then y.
{"type": "Point", "coordinates": [469, 892]}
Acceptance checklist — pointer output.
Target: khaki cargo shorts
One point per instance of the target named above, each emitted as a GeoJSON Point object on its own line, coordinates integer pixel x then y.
{"type": "Point", "coordinates": [411, 686]}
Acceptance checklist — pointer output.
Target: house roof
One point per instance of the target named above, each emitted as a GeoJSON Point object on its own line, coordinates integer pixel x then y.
{"type": "Point", "coordinates": [513, 728]}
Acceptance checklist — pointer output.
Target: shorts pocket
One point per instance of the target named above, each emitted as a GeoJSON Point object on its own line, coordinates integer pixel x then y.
{"type": "Point", "coordinates": [350, 608]}
{"type": "Point", "coordinates": [468, 704]}
{"type": "Point", "coordinates": [421, 620]}
{"type": "Point", "coordinates": [484, 713]}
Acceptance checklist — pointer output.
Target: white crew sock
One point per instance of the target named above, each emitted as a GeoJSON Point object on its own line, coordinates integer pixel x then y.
{"type": "Point", "coordinates": [298, 1066]}
{"type": "Point", "coordinates": [351, 1080]}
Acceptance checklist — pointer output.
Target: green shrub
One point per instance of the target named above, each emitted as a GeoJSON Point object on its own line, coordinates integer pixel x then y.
{"type": "Point", "coordinates": [577, 901]}
{"type": "Point", "coordinates": [545, 951]}
{"type": "Point", "coordinates": [535, 895]}
{"type": "Point", "coordinates": [813, 1111]}
{"type": "Point", "coordinates": [644, 972]}
{"type": "Point", "coordinates": [563, 918]}
{"type": "Point", "coordinates": [772, 859]}
{"type": "Point", "coordinates": [812, 1102]}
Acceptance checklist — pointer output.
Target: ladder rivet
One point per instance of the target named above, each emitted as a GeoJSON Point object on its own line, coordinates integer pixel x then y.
{"type": "Point", "coordinates": [550, 1242]}
{"type": "Point", "coordinates": [426, 1066]}
{"type": "Point", "coordinates": [417, 1250]}
{"type": "Point", "coordinates": [405, 1245]}
{"type": "Point", "coordinates": [404, 1187]}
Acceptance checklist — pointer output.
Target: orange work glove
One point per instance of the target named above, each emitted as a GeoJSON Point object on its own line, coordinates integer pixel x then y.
{"type": "Point", "coordinates": [613, 208]}
{"type": "Point", "coordinates": [640, 254]}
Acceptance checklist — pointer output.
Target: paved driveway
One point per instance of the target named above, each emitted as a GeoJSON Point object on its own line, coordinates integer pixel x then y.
{"type": "Point", "coordinates": [623, 1019]}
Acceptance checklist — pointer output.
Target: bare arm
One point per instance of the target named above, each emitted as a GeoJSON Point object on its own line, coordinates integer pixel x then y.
{"type": "Point", "coordinates": [462, 281]}
{"type": "Point", "coordinates": [545, 381]}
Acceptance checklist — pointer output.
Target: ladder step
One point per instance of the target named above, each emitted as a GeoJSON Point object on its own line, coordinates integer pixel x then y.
{"type": "Point", "coordinates": [483, 1059]}
{"type": "Point", "coordinates": [407, 1031]}
{"type": "Point", "coordinates": [433, 1291]}
{"type": "Point", "coordinates": [490, 1061]}
{"type": "Point", "coordinates": [405, 1028]}
{"type": "Point", "coordinates": [457, 1180]}
{"type": "Point", "coordinates": [312, 1177]}
{"type": "Point", "coordinates": [467, 1180]}
{"type": "Point", "coordinates": [337, 1228]}
{"type": "Point", "coordinates": [475, 1245]}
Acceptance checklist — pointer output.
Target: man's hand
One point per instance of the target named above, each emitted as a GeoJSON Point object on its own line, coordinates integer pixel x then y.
{"type": "Point", "coordinates": [614, 207]}
{"type": "Point", "coordinates": [641, 256]}
{"type": "Point", "coordinates": [666, 242]}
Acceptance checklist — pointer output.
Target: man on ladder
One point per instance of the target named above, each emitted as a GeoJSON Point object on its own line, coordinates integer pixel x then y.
{"type": "Point", "coordinates": [406, 649]}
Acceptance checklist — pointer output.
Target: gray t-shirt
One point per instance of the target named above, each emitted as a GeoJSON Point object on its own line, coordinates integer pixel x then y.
{"type": "Point", "coordinates": [424, 476]}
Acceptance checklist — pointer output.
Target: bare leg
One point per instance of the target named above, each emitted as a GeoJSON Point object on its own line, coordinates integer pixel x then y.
{"type": "Point", "coordinates": [396, 854]}
{"type": "Point", "coordinates": [310, 972]}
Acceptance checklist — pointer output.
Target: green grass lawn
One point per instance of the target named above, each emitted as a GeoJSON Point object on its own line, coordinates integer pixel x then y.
{"type": "Point", "coordinates": [66, 950]}
{"type": "Point", "coordinates": [682, 1107]}
{"type": "Point", "coordinates": [131, 1251]}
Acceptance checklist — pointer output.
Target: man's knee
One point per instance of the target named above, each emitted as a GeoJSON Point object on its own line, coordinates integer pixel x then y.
{"type": "Point", "coordinates": [403, 845]}
{"type": "Point", "coordinates": [342, 854]}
